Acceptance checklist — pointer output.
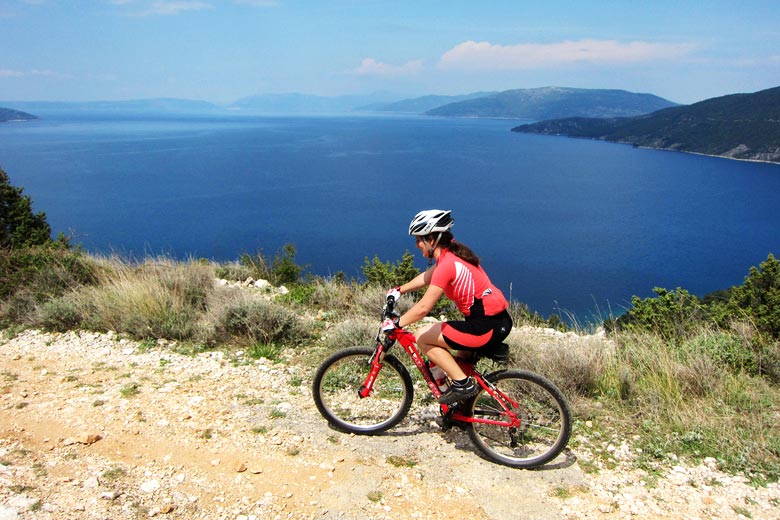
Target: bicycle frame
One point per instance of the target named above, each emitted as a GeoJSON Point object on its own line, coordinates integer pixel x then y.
{"type": "Point", "coordinates": [408, 341]}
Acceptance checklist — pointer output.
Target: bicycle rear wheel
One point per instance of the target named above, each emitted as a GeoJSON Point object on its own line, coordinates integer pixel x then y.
{"type": "Point", "coordinates": [335, 392]}
{"type": "Point", "coordinates": [545, 420]}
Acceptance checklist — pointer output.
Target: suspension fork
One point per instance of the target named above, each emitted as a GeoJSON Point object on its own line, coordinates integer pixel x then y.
{"type": "Point", "coordinates": [375, 364]}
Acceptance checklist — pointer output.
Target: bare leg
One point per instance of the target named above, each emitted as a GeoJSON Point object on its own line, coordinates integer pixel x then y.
{"type": "Point", "coordinates": [431, 342]}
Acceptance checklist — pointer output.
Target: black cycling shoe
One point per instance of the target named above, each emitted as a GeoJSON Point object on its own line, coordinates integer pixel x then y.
{"type": "Point", "coordinates": [458, 392]}
{"type": "Point", "coordinates": [500, 353]}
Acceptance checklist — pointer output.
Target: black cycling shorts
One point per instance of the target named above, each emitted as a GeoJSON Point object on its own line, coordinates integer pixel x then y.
{"type": "Point", "coordinates": [477, 332]}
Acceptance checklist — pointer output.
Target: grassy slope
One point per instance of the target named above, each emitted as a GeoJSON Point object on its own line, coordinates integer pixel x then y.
{"type": "Point", "coordinates": [669, 397]}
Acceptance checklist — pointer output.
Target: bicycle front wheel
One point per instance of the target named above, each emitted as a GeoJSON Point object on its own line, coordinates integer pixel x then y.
{"type": "Point", "coordinates": [545, 420]}
{"type": "Point", "coordinates": [338, 380]}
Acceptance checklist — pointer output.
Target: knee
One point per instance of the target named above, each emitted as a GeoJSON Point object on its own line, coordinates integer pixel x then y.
{"type": "Point", "coordinates": [429, 337]}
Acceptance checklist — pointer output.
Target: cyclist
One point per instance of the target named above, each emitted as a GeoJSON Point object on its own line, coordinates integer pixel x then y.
{"type": "Point", "coordinates": [458, 275]}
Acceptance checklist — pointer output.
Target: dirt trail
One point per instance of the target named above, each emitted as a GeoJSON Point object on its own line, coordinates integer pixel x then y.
{"type": "Point", "coordinates": [94, 427]}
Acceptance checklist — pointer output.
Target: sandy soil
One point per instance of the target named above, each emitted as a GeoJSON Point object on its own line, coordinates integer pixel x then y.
{"type": "Point", "coordinates": [94, 427]}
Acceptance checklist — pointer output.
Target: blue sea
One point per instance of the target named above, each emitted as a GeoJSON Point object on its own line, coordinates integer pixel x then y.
{"type": "Point", "coordinates": [563, 225]}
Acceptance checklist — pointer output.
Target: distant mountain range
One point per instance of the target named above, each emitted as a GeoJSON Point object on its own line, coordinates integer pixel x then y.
{"type": "Point", "coordinates": [553, 103]}
{"type": "Point", "coordinates": [421, 105]}
{"type": "Point", "coordinates": [9, 114]}
{"type": "Point", "coordinates": [535, 104]}
{"type": "Point", "coordinates": [307, 104]}
{"type": "Point", "coordinates": [135, 106]}
{"type": "Point", "coordinates": [739, 126]}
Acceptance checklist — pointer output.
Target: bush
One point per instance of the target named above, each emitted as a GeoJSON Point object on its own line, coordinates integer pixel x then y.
{"type": "Point", "coordinates": [759, 297]}
{"type": "Point", "coordinates": [19, 226]}
{"type": "Point", "coordinates": [32, 275]}
{"type": "Point", "coordinates": [350, 333]}
{"type": "Point", "coordinates": [390, 275]}
{"type": "Point", "coordinates": [158, 298]}
{"type": "Point", "coordinates": [574, 363]}
{"type": "Point", "coordinates": [59, 315]}
{"type": "Point", "coordinates": [333, 295]}
{"type": "Point", "coordinates": [279, 271]}
{"type": "Point", "coordinates": [671, 315]}
{"type": "Point", "coordinates": [676, 314]}
{"type": "Point", "coordinates": [726, 350]}
{"type": "Point", "coordinates": [233, 271]}
{"type": "Point", "coordinates": [263, 321]}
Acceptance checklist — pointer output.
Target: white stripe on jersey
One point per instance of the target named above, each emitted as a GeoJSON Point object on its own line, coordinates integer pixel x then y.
{"type": "Point", "coordinates": [464, 285]}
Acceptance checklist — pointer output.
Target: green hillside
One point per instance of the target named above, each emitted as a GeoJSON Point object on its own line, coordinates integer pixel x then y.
{"type": "Point", "coordinates": [9, 114]}
{"type": "Point", "coordinates": [420, 105]}
{"type": "Point", "coordinates": [555, 102]}
{"type": "Point", "coordinates": [740, 126]}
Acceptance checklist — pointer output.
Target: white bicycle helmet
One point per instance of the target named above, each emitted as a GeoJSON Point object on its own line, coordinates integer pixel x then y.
{"type": "Point", "coordinates": [431, 221]}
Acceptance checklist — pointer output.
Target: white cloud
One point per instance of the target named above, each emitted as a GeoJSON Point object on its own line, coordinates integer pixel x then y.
{"type": "Point", "coordinates": [8, 73]}
{"type": "Point", "coordinates": [257, 3]}
{"type": "Point", "coordinates": [171, 8]}
{"type": "Point", "coordinates": [488, 56]}
{"type": "Point", "coordinates": [371, 67]}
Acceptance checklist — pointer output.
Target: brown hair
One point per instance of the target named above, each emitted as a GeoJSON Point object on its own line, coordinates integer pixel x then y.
{"type": "Point", "coordinates": [462, 251]}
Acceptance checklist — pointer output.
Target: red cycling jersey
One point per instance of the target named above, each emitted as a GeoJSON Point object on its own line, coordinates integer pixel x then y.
{"type": "Point", "coordinates": [465, 283]}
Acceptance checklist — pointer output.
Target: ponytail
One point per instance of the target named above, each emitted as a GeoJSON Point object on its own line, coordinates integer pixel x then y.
{"type": "Point", "coordinates": [462, 251]}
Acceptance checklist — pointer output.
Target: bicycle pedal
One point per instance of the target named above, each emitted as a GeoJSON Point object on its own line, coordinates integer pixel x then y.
{"type": "Point", "coordinates": [500, 354]}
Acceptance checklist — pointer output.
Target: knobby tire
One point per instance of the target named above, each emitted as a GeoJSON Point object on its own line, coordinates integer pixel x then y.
{"type": "Point", "coordinates": [545, 420]}
{"type": "Point", "coordinates": [338, 380]}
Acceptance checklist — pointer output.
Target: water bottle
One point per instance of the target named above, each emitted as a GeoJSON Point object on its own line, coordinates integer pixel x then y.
{"type": "Point", "coordinates": [439, 376]}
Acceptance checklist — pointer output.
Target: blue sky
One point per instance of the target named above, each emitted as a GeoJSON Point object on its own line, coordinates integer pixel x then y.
{"type": "Point", "coordinates": [220, 51]}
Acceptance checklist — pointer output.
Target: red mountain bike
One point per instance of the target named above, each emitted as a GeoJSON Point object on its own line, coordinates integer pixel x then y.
{"type": "Point", "coordinates": [519, 418]}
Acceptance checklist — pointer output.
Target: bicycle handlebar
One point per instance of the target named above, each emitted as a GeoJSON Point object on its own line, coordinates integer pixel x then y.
{"type": "Point", "coordinates": [389, 307]}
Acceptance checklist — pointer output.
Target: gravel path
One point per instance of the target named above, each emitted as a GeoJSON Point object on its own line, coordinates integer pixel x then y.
{"type": "Point", "coordinates": [95, 427]}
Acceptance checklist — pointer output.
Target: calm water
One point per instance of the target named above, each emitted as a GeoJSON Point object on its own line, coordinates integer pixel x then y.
{"type": "Point", "coordinates": [568, 224]}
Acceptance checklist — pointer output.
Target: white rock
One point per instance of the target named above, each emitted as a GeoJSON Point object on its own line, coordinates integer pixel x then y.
{"type": "Point", "coordinates": [8, 514]}
{"type": "Point", "coordinates": [262, 284]}
{"type": "Point", "coordinates": [150, 486]}
{"type": "Point", "coordinates": [91, 482]}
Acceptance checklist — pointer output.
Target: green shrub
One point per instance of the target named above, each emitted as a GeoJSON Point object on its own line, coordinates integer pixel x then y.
{"type": "Point", "coordinates": [299, 294]}
{"type": "Point", "coordinates": [350, 333]}
{"type": "Point", "coordinates": [333, 295]}
{"type": "Point", "coordinates": [758, 299]}
{"type": "Point", "coordinates": [262, 321]}
{"type": "Point", "coordinates": [727, 350]}
{"type": "Point", "coordinates": [671, 315]}
{"type": "Point", "coordinates": [386, 274]}
{"type": "Point", "coordinates": [59, 315]}
{"type": "Point", "coordinates": [269, 351]}
{"type": "Point", "coordinates": [677, 314]}
{"type": "Point", "coordinates": [281, 270]}
{"type": "Point", "coordinates": [233, 271]}
{"type": "Point", "coordinates": [32, 275]}
{"type": "Point", "coordinates": [284, 270]}
{"type": "Point", "coordinates": [19, 226]}
{"type": "Point", "coordinates": [158, 298]}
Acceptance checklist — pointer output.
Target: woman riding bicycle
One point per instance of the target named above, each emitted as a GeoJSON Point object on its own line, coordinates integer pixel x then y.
{"type": "Point", "coordinates": [458, 275]}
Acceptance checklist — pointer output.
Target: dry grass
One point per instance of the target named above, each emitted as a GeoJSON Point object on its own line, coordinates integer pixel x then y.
{"type": "Point", "coordinates": [706, 395]}
{"type": "Point", "coordinates": [692, 398]}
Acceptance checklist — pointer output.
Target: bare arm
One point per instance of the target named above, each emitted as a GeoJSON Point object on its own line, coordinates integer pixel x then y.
{"type": "Point", "coordinates": [421, 309]}
{"type": "Point", "coordinates": [418, 282]}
